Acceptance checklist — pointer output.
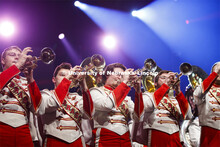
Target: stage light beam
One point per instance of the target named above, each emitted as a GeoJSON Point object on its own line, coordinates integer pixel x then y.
{"type": "Point", "coordinates": [7, 29]}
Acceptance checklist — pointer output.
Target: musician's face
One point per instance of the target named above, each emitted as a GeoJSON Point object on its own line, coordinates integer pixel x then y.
{"type": "Point", "coordinates": [115, 79]}
{"type": "Point", "coordinates": [163, 79]}
{"type": "Point", "coordinates": [62, 73]}
{"type": "Point", "coordinates": [11, 58]}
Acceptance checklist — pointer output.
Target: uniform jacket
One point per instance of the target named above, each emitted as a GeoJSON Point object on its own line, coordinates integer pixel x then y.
{"type": "Point", "coordinates": [11, 110]}
{"type": "Point", "coordinates": [207, 97]}
{"type": "Point", "coordinates": [151, 113]}
{"type": "Point", "coordinates": [57, 122]}
{"type": "Point", "coordinates": [113, 108]}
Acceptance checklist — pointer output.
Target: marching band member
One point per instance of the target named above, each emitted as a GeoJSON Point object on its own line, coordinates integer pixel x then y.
{"type": "Point", "coordinates": [192, 129]}
{"type": "Point", "coordinates": [62, 111]}
{"type": "Point", "coordinates": [16, 108]}
{"type": "Point", "coordinates": [113, 108]}
{"type": "Point", "coordinates": [207, 98]}
{"type": "Point", "coordinates": [160, 112]}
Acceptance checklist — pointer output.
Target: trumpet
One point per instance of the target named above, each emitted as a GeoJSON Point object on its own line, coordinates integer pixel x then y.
{"type": "Point", "coordinates": [185, 69]}
{"type": "Point", "coordinates": [47, 56]}
{"type": "Point", "coordinates": [90, 64]}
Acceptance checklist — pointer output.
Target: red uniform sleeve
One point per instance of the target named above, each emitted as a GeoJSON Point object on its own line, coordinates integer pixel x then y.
{"type": "Point", "coordinates": [159, 93]}
{"type": "Point", "coordinates": [87, 104]}
{"type": "Point", "coordinates": [120, 93]}
{"type": "Point", "coordinates": [7, 75]}
{"type": "Point", "coordinates": [138, 104]}
{"type": "Point", "coordinates": [35, 94]}
{"type": "Point", "coordinates": [62, 90]}
{"type": "Point", "coordinates": [207, 83]}
{"type": "Point", "coordinates": [183, 103]}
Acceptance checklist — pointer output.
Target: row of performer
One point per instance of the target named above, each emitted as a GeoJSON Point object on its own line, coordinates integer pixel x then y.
{"type": "Point", "coordinates": [104, 115]}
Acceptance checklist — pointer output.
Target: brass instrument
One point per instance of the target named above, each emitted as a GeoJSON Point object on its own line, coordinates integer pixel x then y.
{"type": "Point", "coordinates": [96, 63]}
{"type": "Point", "coordinates": [147, 75]}
{"type": "Point", "coordinates": [151, 68]}
{"type": "Point", "coordinates": [185, 69]}
{"type": "Point", "coordinates": [197, 76]}
{"type": "Point", "coordinates": [47, 56]}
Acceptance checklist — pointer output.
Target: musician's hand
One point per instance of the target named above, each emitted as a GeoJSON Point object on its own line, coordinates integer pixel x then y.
{"type": "Point", "coordinates": [23, 57]}
{"type": "Point", "coordinates": [28, 72]}
{"type": "Point", "coordinates": [137, 85]}
{"type": "Point", "coordinates": [74, 72]}
{"type": "Point", "coordinates": [127, 77]}
{"type": "Point", "coordinates": [174, 82]}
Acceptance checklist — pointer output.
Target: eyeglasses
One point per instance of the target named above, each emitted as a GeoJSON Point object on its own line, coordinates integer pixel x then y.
{"type": "Point", "coordinates": [164, 77]}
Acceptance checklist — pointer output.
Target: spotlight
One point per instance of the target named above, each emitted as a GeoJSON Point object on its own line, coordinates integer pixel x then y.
{"type": "Point", "coordinates": [6, 28]}
{"type": "Point", "coordinates": [141, 14]}
{"type": "Point", "coordinates": [109, 42]}
{"type": "Point", "coordinates": [134, 13]}
{"type": "Point", "coordinates": [79, 5]}
{"type": "Point", "coordinates": [187, 21]}
{"type": "Point", "coordinates": [61, 36]}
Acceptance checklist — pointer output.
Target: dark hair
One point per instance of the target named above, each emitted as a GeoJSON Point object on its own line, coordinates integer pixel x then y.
{"type": "Point", "coordinates": [111, 67]}
{"type": "Point", "coordinates": [159, 74]}
{"type": "Point", "coordinates": [9, 48]}
{"type": "Point", "coordinates": [61, 66]}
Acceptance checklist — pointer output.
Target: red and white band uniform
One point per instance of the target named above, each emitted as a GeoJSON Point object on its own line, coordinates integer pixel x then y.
{"type": "Point", "coordinates": [195, 133]}
{"type": "Point", "coordinates": [160, 114]}
{"type": "Point", "coordinates": [207, 98]}
{"type": "Point", "coordinates": [62, 112]}
{"type": "Point", "coordinates": [113, 110]}
{"type": "Point", "coordinates": [17, 118]}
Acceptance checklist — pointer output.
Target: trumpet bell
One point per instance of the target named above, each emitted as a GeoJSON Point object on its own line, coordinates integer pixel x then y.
{"type": "Point", "coordinates": [47, 55]}
{"type": "Point", "coordinates": [150, 65]}
{"type": "Point", "coordinates": [98, 61]}
{"type": "Point", "coordinates": [85, 63]}
{"type": "Point", "coordinates": [92, 64]}
{"type": "Point", "coordinates": [186, 69]}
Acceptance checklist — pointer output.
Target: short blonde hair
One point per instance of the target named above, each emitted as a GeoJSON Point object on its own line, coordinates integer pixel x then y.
{"type": "Point", "coordinates": [9, 48]}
